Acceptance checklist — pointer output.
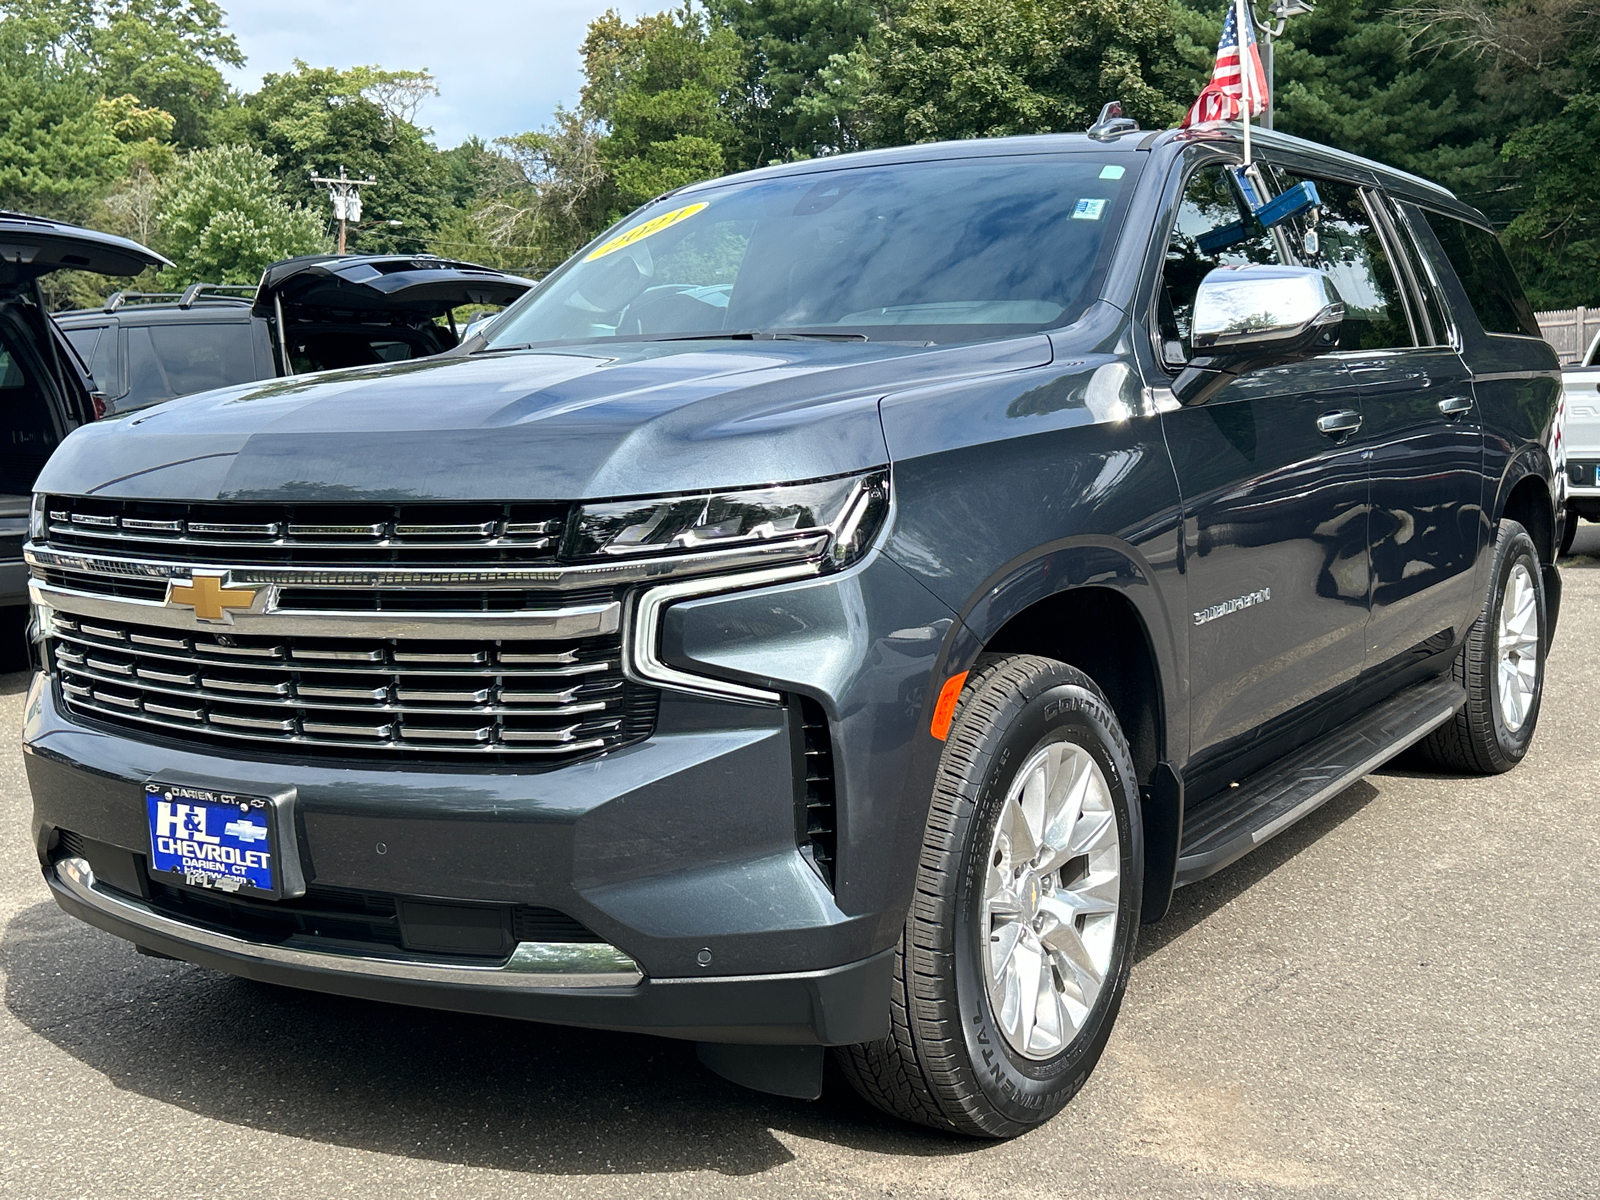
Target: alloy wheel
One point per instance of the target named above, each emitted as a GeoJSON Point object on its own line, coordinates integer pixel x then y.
{"type": "Point", "coordinates": [1051, 896]}
{"type": "Point", "coordinates": [1517, 676]}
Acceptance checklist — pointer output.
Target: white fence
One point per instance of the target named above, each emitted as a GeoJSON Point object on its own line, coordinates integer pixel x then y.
{"type": "Point", "coordinates": [1570, 330]}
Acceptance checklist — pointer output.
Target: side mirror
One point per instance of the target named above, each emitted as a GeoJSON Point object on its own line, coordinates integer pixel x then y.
{"type": "Point", "coordinates": [1249, 318]}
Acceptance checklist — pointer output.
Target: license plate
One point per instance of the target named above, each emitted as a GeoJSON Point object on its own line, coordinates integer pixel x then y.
{"type": "Point", "coordinates": [212, 839]}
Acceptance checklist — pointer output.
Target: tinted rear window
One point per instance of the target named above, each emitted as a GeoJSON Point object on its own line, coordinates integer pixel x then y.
{"type": "Point", "coordinates": [1486, 273]}
{"type": "Point", "coordinates": [175, 360]}
{"type": "Point", "coordinates": [83, 340]}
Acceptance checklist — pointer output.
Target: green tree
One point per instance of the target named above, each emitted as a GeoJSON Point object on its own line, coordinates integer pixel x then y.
{"type": "Point", "coordinates": [1538, 75]}
{"type": "Point", "coordinates": [58, 153]}
{"type": "Point", "coordinates": [988, 68]}
{"type": "Point", "coordinates": [223, 218]}
{"type": "Point", "coordinates": [660, 86]}
{"type": "Point", "coordinates": [314, 120]}
{"type": "Point", "coordinates": [791, 101]}
{"type": "Point", "coordinates": [165, 53]}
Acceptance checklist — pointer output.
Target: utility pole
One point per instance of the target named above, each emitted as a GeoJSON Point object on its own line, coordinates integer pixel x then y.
{"type": "Point", "coordinates": [1281, 11]}
{"type": "Point", "coordinates": [346, 196]}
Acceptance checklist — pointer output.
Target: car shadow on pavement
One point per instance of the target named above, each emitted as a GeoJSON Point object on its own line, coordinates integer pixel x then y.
{"type": "Point", "coordinates": [1193, 904]}
{"type": "Point", "coordinates": [469, 1090]}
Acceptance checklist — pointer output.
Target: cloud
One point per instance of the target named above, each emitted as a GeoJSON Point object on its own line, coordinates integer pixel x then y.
{"type": "Point", "coordinates": [502, 65]}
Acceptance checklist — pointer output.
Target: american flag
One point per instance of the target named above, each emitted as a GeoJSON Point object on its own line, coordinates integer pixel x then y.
{"type": "Point", "coordinates": [1223, 98]}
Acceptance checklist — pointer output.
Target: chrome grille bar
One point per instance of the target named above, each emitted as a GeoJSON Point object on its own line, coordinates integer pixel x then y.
{"type": "Point", "coordinates": [381, 532]}
{"type": "Point", "coordinates": [385, 695]}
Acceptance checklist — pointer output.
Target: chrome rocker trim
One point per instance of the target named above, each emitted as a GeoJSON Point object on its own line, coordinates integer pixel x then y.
{"type": "Point", "coordinates": [532, 966]}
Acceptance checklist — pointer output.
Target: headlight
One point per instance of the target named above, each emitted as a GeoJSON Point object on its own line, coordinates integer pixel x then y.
{"type": "Point", "coordinates": [834, 518]}
{"type": "Point", "coordinates": [36, 519]}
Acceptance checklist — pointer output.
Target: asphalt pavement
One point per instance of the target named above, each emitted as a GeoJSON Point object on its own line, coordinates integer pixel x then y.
{"type": "Point", "coordinates": [1398, 997]}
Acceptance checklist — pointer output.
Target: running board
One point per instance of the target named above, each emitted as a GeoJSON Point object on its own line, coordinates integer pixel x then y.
{"type": "Point", "coordinates": [1226, 828]}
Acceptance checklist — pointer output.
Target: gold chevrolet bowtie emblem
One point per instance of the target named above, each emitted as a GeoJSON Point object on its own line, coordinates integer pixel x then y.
{"type": "Point", "coordinates": [209, 599]}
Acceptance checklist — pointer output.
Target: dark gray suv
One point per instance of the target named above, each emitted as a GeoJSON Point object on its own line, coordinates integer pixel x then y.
{"type": "Point", "coordinates": [832, 610]}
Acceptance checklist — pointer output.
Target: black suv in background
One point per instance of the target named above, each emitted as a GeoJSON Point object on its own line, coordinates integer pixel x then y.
{"type": "Point", "coordinates": [832, 610]}
{"type": "Point", "coordinates": [45, 389]}
{"type": "Point", "coordinates": [312, 313]}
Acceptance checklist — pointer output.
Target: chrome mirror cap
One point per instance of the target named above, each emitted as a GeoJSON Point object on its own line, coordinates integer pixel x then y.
{"type": "Point", "coordinates": [1238, 309]}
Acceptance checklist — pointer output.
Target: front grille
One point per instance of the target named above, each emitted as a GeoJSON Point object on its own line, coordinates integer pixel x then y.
{"type": "Point", "coordinates": [550, 700]}
{"type": "Point", "coordinates": [308, 534]}
{"type": "Point", "coordinates": [1583, 472]}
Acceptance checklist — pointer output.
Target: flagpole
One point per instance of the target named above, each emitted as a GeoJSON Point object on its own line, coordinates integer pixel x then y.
{"type": "Point", "coordinates": [1241, 20]}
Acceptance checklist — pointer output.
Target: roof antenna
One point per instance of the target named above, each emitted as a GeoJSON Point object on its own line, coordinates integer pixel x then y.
{"type": "Point", "coordinates": [1111, 124]}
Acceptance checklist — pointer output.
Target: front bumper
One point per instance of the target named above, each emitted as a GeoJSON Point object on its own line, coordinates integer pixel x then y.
{"type": "Point", "coordinates": [584, 986]}
{"type": "Point", "coordinates": [682, 851]}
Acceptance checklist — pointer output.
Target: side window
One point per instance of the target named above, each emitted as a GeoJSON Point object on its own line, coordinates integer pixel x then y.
{"type": "Point", "coordinates": [202, 355]}
{"type": "Point", "coordinates": [96, 345]}
{"type": "Point", "coordinates": [1486, 274]}
{"type": "Point", "coordinates": [147, 378]}
{"type": "Point", "coordinates": [1208, 204]}
{"type": "Point", "coordinates": [83, 340]}
{"type": "Point", "coordinates": [1340, 240]}
{"type": "Point", "coordinates": [176, 360]}
{"type": "Point", "coordinates": [1425, 279]}
{"type": "Point", "coordinates": [104, 367]}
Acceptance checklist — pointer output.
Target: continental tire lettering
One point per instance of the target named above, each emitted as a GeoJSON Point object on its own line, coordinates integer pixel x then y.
{"type": "Point", "coordinates": [1248, 600]}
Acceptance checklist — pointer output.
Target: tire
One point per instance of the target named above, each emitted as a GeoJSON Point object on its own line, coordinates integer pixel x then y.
{"type": "Point", "coordinates": [1569, 533]}
{"type": "Point", "coordinates": [1490, 735]}
{"type": "Point", "coordinates": [952, 1059]}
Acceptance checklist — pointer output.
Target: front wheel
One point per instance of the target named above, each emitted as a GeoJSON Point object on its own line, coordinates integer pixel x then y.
{"type": "Point", "coordinates": [1501, 667]}
{"type": "Point", "coordinates": [1016, 952]}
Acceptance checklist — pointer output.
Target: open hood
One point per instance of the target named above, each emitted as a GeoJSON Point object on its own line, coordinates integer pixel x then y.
{"type": "Point", "coordinates": [32, 246]}
{"type": "Point", "coordinates": [369, 284]}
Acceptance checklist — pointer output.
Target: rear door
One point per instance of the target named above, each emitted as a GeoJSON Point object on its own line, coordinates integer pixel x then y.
{"type": "Point", "coordinates": [1420, 424]}
{"type": "Point", "coordinates": [1274, 540]}
{"type": "Point", "coordinates": [32, 247]}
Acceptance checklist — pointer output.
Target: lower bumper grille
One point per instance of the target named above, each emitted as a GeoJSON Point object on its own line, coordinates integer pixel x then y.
{"type": "Point", "coordinates": [554, 701]}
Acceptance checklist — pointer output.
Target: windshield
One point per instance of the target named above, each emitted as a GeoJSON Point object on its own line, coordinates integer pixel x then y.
{"type": "Point", "coordinates": [942, 251]}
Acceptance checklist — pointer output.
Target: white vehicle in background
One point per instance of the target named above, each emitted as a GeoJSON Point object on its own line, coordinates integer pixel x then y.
{"type": "Point", "coordinates": [1581, 394]}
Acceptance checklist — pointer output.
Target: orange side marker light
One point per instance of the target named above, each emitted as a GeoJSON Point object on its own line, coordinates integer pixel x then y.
{"type": "Point", "coordinates": [945, 711]}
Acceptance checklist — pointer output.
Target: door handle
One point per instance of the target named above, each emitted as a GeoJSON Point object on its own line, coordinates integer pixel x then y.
{"type": "Point", "coordinates": [1341, 422]}
{"type": "Point", "coordinates": [1455, 406]}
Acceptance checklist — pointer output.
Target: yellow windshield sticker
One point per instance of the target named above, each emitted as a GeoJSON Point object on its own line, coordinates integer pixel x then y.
{"type": "Point", "coordinates": [639, 232]}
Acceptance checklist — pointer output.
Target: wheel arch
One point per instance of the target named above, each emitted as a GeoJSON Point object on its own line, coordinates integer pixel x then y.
{"type": "Point", "coordinates": [1527, 499]}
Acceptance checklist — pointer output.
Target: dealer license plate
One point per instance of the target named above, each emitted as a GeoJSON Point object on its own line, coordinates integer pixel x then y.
{"type": "Point", "coordinates": [212, 839]}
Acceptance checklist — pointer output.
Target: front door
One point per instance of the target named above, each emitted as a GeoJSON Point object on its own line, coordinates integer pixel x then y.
{"type": "Point", "coordinates": [1274, 487]}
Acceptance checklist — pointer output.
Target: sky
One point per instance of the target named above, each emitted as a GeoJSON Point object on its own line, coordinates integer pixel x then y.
{"type": "Point", "coordinates": [502, 66]}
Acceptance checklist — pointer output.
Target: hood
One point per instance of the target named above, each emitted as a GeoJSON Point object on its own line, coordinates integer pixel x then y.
{"type": "Point", "coordinates": [370, 284]}
{"type": "Point", "coordinates": [637, 419]}
{"type": "Point", "coordinates": [33, 246]}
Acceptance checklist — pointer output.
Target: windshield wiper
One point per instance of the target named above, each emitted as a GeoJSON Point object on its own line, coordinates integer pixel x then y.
{"type": "Point", "coordinates": [763, 335]}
